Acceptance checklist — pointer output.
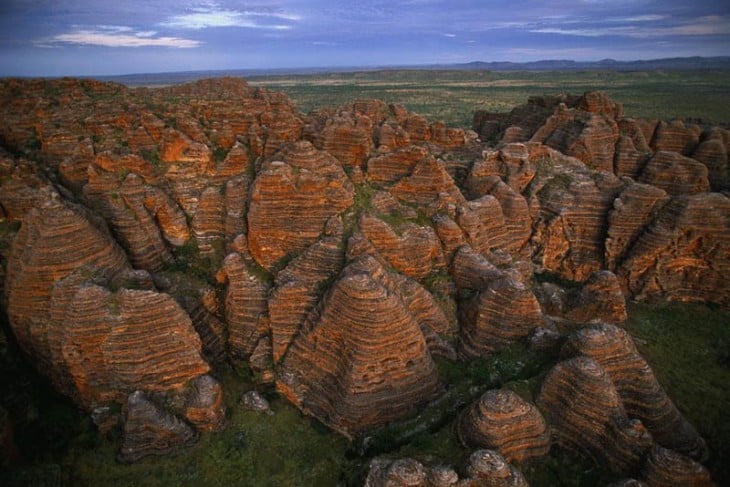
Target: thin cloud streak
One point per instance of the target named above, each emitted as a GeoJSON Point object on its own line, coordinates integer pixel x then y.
{"type": "Point", "coordinates": [111, 39]}
{"type": "Point", "coordinates": [704, 26]}
{"type": "Point", "coordinates": [205, 18]}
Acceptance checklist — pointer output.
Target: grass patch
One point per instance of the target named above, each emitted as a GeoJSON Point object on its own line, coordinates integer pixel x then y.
{"type": "Point", "coordinates": [257, 450]}
{"type": "Point", "coordinates": [687, 346]}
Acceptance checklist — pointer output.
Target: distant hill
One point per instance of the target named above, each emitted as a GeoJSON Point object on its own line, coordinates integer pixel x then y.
{"type": "Point", "coordinates": [679, 63]}
{"type": "Point", "coordinates": [687, 63]}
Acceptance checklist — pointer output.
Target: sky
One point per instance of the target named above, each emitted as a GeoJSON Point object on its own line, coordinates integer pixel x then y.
{"type": "Point", "coordinates": [102, 37]}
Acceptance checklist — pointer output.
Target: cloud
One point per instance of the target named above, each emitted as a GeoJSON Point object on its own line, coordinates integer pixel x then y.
{"type": "Point", "coordinates": [449, 35]}
{"type": "Point", "coordinates": [700, 26]}
{"type": "Point", "coordinates": [119, 37]}
{"type": "Point", "coordinates": [209, 17]}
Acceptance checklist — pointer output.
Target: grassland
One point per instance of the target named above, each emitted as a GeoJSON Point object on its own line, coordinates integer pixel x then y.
{"type": "Point", "coordinates": [453, 96]}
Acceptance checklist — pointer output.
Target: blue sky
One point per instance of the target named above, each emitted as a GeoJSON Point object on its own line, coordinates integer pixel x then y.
{"type": "Point", "coordinates": [81, 37]}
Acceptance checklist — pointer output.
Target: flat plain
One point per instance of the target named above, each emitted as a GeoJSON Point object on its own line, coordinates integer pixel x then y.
{"type": "Point", "coordinates": [453, 95]}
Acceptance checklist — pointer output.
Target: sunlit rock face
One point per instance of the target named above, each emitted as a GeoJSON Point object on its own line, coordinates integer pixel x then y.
{"type": "Point", "coordinates": [363, 360]}
{"type": "Point", "coordinates": [291, 199]}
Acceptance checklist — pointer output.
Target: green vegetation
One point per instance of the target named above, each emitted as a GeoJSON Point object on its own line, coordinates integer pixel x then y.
{"type": "Point", "coordinates": [453, 95]}
{"type": "Point", "coordinates": [688, 346]}
{"type": "Point", "coordinates": [258, 450]}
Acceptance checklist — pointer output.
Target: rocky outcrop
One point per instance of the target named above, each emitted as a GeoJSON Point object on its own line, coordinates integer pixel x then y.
{"type": "Point", "coordinates": [150, 430]}
{"type": "Point", "coordinates": [120, 342]}
{"type": "Point", "coordinates": [390, 167]}
{"type": "Point", "coordinates": [483, 224]}
{"type": "Point", "coordinates": [363, 359]}
{"type": "Point", "coordinates": [500, 420]}
{"type": "Point", "coordinates": [600, 298]}
{"type": "Point", "coordinates": [587, 417]}
{"type": "Point", "coordinates": [675, 174]}
{"type": "Point", "coordinates": [569, 233]}
{"type": "Point", "coordinates": [513, 162]}
{"type": "Point", "coordinates": [55, 240]}
{"type": "Point", "coordinates": [671, 469]}
{"type": "Point", "coordinates": [503, 313]}
{"type": "Point", "coordinates": [292, 198]}
{"type": "Point", "coordinates": [144, 218]}
{"type": "Point", "coordinates": [21, 187]}
{"type": "Point", "coordinates": [642, 396]}
{"type": "Point", "coordinates": [348, 138]}
{"type": "Point", "coordinates": [487, 467]}
{"type": "Point", "coordinates": [428, 186]}
{"type": "Point", "coordinates": [299, 286]}
{"type": "Point", "coordinates": [245, 306]}
{"type": "Point", "coordinates": [632, 211]}
{"type": "Point", "coordinates": [675, 136]}
{"type": "Point", "coordinates": [415, 252]}
{"type": "Point", "coordinates": [712, 152]}
{"type": "Point", "coordinates": [588, 136]}
{"type": "Point", "coordinates": [682, 255]}
{"type": "Point", "coordinates": [404, 472]}
{"type": "Point", "coordinates": [517, 220]}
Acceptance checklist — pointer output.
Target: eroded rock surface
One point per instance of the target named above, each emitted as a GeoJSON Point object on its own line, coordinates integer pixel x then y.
{"type": "Point", "coordinates": [363, 359]}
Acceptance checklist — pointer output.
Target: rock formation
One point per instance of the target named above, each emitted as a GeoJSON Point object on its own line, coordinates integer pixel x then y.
{"type": "Point", "coordinates": [587, 416]}
{"type": "Point", "coordinates": [486, 468]}
{"type": "Point", "coordinates": [668, 468]}
{"type": "Point", "coordinates": [642, 396]}
{"type": "Point", "coordinates": [500, 420]}
{"type": "Point", "coordinates": [363, 359]}
{"type": "Point", "coordinates": [682, 253]}
{"type": "Point", "coordinates": [292, 198]}
{"type": "Point", "coordinates": [503, 313]}
{"type": "Point", "coordinates": [150, 430]}
{"type": "Point", "coordinates": [352, 246]}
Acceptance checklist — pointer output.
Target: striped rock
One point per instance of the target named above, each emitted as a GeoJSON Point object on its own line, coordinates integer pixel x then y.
{"type": "Point", "coordinates": [500, 420]}
{"type": "Point", "coordinates": [390, 167]}
{"type": "Point", "coordinates": [489, 468]}
{"type": "Point", "coordinates": [675, 136]}
{"type": "Point", "coordinates": [348, 138]}
{"type": "Point", "coordinates": [667, 468]}
{"type": "Point", "coordinates": [245, 308]}
{"type": "Point", "coordinates": [586, 136]}
{"type": "Point", "coordinates": [483, 224]}
{"type": "Point", "coordinates": [587, 417]}
{"type": "Point", "coordinates": [675, 174]}
{"type": "Point", "coordinates": [291, 200]}
{"type": "Point", "coordinates": [55, 239]}
{"type": "Point", "coordinates": [712, 152]}
{"type": "Point", "coordinates": [428, 186]}
{"type": "Point", "coordinates": [415, 252]}
{"type": "Point", "coordinates": [208, 223]}
{"type": "Point", "coordinates": [570, 230]}
{"type": "Point", "coordinates": [628, 161]}
{"type": "Point", "coordinates": [683, 253]}
{"type": "Point", "coordinates": [600, 298]}
{"type": "Point", "coordinates": [362, 360]}
{"type": "Point", "coordinates": [150, 430]}
{"type": "Point", "coordinates": [642, 396]}
{"type": "Point", "coordinates": [299, 287]}
{"type": "Point", "coordinates": [633, 210]}
{"type": "Point", "coordinates": [503, 313]}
